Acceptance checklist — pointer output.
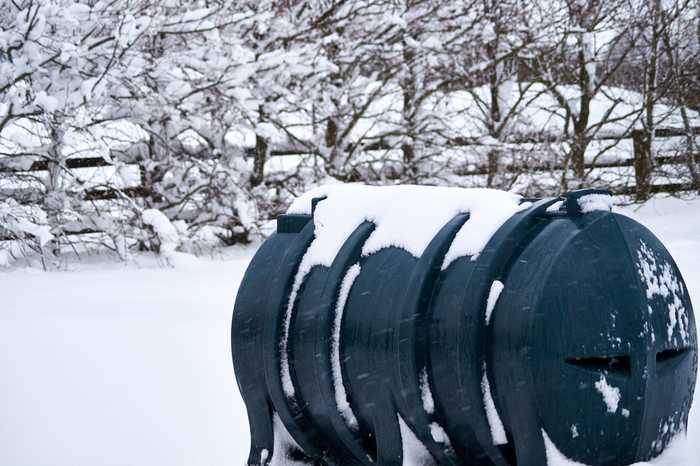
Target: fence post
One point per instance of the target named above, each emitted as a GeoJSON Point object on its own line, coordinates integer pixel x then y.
{"type": "Point", "coordinates": [642, 163]}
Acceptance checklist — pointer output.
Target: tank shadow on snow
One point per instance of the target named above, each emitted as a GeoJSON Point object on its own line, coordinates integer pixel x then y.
{"type": "Point", "coordinates": [590, 346]}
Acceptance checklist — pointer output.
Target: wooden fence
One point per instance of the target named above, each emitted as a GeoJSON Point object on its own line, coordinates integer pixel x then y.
{"type": "Point", "coordinates": [641, 161]}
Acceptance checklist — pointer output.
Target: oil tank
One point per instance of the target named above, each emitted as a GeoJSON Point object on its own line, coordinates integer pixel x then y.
{"type": "Point", "coordinates": [462, 327]}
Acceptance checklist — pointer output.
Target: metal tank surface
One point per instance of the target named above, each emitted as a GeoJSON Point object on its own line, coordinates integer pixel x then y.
{"type": "Point", "coordinates": [570, 331]}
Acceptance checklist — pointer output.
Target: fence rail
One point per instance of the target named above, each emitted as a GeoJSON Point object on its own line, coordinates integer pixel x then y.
{"type": "Point", "coordinates": [43, 165]}
{"type": "Point", "coordinates": [642, 162]}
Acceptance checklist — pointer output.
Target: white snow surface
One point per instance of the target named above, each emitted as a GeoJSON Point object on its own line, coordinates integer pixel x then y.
{"type": "Point", "coordinates": [554, 456]}
{"type": "Point", "coordinates": [498, 431]}
{"type": "Point", "coordinates": [341, 396]}
{"type": "Point", "coordinates": [17, 219]}
{"type": "Point", "coordinates": [113, 364]}
{"type": "Point", "coordinates": [425, 393]}
{"type": "Point", "coordinates": [285, 372]}
{"type": "Point", "coordinates": [110, 364]}
{"type": "Point", "coordinates": [555, 206]}
{"type": "Point", "coordinates": [167, 234]}
{"type": "Point", "coordinates": [405, 216]}
{"type": "Point", "coordinates": [494, 293]}
{"type": "Point", "coordinates": [659, 279]}
{"type": "Point", "coordinates": [283, 442]}
{"type": "Point", "coordinates": [574, 431]}
{"type": "Point", "coordinates": [611, 395]}
{"type": "Point", "coordinates": [438, 433]}
{"type": "Point", "coordinates": [593, 202]}
{"type": "Point", "coordinates": [414, 452]}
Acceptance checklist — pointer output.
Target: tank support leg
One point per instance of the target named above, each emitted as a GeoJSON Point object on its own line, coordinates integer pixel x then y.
{"type": "Point", "coordinates": [262, 436]}
{"type": "Point", "coordinates": [387, 434]}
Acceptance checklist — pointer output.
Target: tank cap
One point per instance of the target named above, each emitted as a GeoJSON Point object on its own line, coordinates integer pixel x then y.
{"type": "Point", "coordinates": [571, 203]}
{"type": "Point", "coordinates": [292, 223]}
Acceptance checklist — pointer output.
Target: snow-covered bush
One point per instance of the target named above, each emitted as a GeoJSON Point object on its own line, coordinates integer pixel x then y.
{"type": "Point", "coordinates": [24, 227]}
{"type": "Point", "coordinates": [187, 105]}
{"type": "Point", "coordinates": [58, 71]}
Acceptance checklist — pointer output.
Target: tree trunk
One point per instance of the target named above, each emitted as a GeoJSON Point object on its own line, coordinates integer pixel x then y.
{"type": "Point", "coordinates": [407, 149]}
{"type": "Point", "coordinates": [587, 88]}
{"type": "Point", "coordinates": [643, 150]}
{"type": "Point", "coordinates": [579, 144]}
{"type": "Point", "coordinates": [331, 134]}
{"type": "Point", "coordinates": [408, 115]}
{"type": "Point", "coordinates": [261, 152]}
{"type": "Point", "coordinates": [642, 165]}
{"type": "Point", "coordinates": [409, 155]}
{"type": "Point", "coordinates": [692, 158]}
{"type": "Point", "coordinates": [493, 159]}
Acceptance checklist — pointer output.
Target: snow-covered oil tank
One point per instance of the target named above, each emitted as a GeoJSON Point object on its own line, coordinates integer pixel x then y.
{"type": "Point", "coordinates": [422, 325]}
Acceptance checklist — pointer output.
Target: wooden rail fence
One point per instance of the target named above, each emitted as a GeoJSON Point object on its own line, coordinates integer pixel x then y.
{"type": "Point", "coordinates": [642, 162]}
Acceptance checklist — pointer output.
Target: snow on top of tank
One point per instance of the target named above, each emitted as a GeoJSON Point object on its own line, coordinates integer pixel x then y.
{"type": "Point", "coordinates": [405, 216]}
{"type": "Point", "coordinates": [592, 202]}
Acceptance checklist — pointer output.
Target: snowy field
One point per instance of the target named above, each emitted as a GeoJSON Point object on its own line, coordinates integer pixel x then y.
{"type": "Point", "coordinates": [113, 364]}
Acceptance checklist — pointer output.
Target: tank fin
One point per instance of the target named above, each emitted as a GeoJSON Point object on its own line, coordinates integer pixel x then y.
{"type": "Point", "coordinates": [412, 344]}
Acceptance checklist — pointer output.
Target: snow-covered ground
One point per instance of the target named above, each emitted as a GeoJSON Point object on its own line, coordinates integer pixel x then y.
{"type": "Point", "coordinates": [121, 365]}
{"type": "Point", "coordinates": [112, 364]}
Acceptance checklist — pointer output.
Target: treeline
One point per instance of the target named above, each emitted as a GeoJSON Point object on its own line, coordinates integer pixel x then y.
{"type": "Point", "coordinates": [189, 101]}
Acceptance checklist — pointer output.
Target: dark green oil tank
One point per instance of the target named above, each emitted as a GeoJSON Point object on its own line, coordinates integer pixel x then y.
{"type": "Point", "coordinates": [569, 330]}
